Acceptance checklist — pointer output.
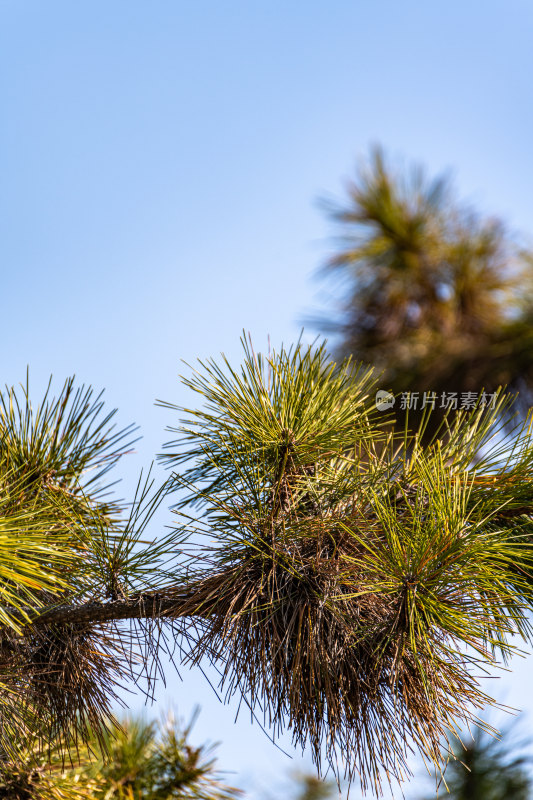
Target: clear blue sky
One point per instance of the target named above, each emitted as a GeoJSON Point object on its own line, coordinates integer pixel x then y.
{"type": "Point", "coordinates": [160, 167]}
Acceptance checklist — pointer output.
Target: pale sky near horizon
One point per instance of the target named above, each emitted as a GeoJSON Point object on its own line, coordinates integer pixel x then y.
{"type": "Point", "coordinates": [161, 168]}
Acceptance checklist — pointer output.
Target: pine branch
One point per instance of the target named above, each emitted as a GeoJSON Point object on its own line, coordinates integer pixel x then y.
{"type": "Point", "coordinates": [351, 583]}
{"type": "Point", "coordinates": [144, 605]}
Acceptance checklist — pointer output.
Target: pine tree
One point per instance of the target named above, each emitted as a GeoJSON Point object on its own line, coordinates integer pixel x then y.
{"type": "Point", "coordinates": [348, 581]}
{"type": "Point", "coordinates": [437, 296]}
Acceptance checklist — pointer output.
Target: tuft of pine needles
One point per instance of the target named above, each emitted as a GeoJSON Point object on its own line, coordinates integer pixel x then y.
{"type": "Point", "coordinates": [355, 584]}
{"type": "Point", "coordinates": [66, 543]}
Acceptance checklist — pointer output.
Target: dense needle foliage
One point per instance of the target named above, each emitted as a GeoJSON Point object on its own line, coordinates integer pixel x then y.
{"type": "Point", "coordinates": [349, 583]}
{"type": "Point", "coordinates": [64, 543]}
{"type": "Point", "coordinates": [353, 582]}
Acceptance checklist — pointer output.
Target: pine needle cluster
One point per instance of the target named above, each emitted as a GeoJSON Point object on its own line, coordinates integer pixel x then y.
{"type": "Point", "coordinates": [355, 584]}
{"type": "Point", "coordinates": [65, 544]}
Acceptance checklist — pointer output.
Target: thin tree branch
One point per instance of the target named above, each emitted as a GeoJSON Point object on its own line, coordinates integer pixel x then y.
{"type": "Point", "coordinates": [139, 606]}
